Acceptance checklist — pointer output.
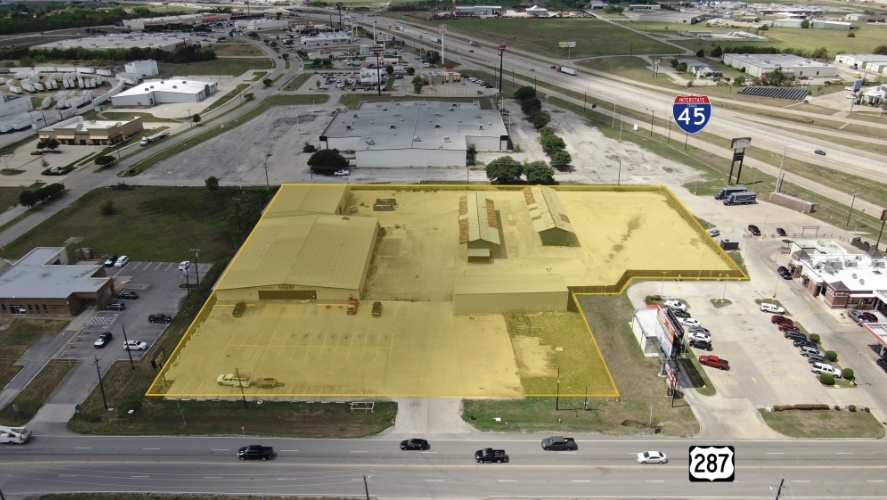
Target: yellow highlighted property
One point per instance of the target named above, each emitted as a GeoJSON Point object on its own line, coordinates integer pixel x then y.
{"type": "Point", "coordinates": [475, 289]}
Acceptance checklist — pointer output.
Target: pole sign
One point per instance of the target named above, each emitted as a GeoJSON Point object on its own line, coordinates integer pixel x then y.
{"type": "Point", "coordinates": [501, 47]}
{"type": "Point", "coordinates": [691, 112]}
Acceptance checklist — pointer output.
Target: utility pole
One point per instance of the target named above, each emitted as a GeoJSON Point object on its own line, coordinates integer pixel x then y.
{"type": "Point", "coordinates": [240, 384]}
{"type": "Point", "coordinates": [101, 385]}
{"type": "Point", "coordinates": [196, 269]}
{"type": "Point", "coordinates": [128, 347]}
{"type": "Point", "coordinates": [779, 176]}
{"type": "Point", "coordinates": [557, 397]}
{"type": "Point", "coordinates": [501, 58]}
{"type": "Point", "coordinates": [850, 212]}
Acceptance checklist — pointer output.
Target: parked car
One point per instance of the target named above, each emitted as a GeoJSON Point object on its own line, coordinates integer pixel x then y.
{"type": "Point", "coordinates": [353, 304]}
{"type": "Point", "coordinates": [342, 172]}
{"type": "Point", "coordinates": [488, 455]}
{"type": "Point", "coordinates": [121, 261]}
{"type": "Point", "coordinates": [135, 345]}
{"type": "Point", "coordinates": [810, 351]}
{"type": "Point", "coordinates": [825, 368]}
{"type": "Point", "coordinates": [804, 342]}
{"type": "Point", "coordinates": [675, 305]}
{"type": "Point", "coordinates": [159, 318]}
{"type": "Point", "coordinates": [794, 334]}
{"type": "Point", "coordinates": [780, 232]}
{"type": "Point", "coordinates": [652, 457]}
{"type": "Point", "coordinates": [714, 361]}
{"type": "Point", "coordinates": [699, 336]}
{"type": "Point", "coordinates": [699, 329]}
{"type": "Point", "coordinates": [753, 229]}
{"type": "Point", "coordinates": [820, 152]}
{"type": "Point", "coordinates": [103, 340]}
{"type": "Point", "coordinates": [377, 308]}
{"type": "Point", "coordinates": [778, 318]}
{"type": "Point", "coordinates": [414, 444]}
{"type": "Point", "coordinates": [713, 232]}
{"type": "Point", "coordinates": [680, 314]}
{"type": "Point", "coordinates": [255, 452]}
{"type": "Point", "coordinates": [116, 306]}
{"type": "Point", "coordinates": [109, 262]}
{"type": "Point", "coordinates": [184, 265]}
{"type": "Point", "coordinates": [861, 317]}
{"type": "Point", "coordinates": [127, 294]}
{"type": "Point", "coordinates": [882, 363]}
{"type": "Point", "coordinates": [787, 326]}
{"type": "Point", "coordinates": [816, 358]}
{"type": "Point", "coordinates": [690, 322]}
{"type": "Point", "coordinates": [784, 272]}
{"type": "Point", "coordinates": [772, 308]}
{"type": "Point", "coordinates": [700, 344]}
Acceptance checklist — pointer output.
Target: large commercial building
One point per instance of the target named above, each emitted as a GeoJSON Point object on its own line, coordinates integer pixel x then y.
{"type": "Point", "coordinates": [188, 19]}
{"type": "Point", "coordinates": [261, 24]}
{"type": "Point", "coordinates": [175, 89]}
{"type": "Point", "coordinates": [165, 41]}
{"type": "Point", "coordinates": [840, 276]}
{"type": "Point", "coordinates": [80, 132]}
{"type": "Point", "coordinates": [415, 133]}
{"type": "Point", "coordinates": [761, 65]}
{"type": "Point", "coordinates": [868, 62]}
{"type": "Point", "coordinates": [43, 283]}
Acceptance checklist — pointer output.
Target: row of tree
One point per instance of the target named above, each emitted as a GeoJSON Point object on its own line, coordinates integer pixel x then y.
{"type": "Point", "coordinates": [183, 54]}
{"type": "Point", "coordinates": [30, 198]}
{"type": "Point", "coordinates": [532, 107]}
{"type": "Point", "coordinates": [507, 170]}
{"type": "Point", "coordinates": [35, 17]}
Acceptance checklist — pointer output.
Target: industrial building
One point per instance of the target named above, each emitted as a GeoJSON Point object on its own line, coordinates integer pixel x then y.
{"type": "Point", "coordinates": [142, 68]}
{"type": "Point", "coordinates": [550, 219]}
{"type": "Point", "coordinates": [328, 38]}
{"type": "Point", "coordinates": [79, 132]}
{"type": "Point", "coordinates": [477, 10]}
{"type": "Point", "coordinates": [261, 24]}
{"type": "Point", "coordinates": [876, 63]}
{"type": "Point", "coordinates": [415, 133]}
{"type": "Point", "coordinates": [175, 89]}
{"type": "Point", "coordinates": [188, 19]}
{"type": "Point", "coordinates": [761, 65]}
{"type": "Point", "coordinates": [485, 294]}
{"type": "Point", "coordinates": [167, 42]}
{"type": "Point", "coordinates": [478, 226]}
{"type": "Point", "coordinates": [43, 283]}
{"type": "Point", "coordinates": [661, 16]}
{"type": "Point", "coordinates": [841, 277]}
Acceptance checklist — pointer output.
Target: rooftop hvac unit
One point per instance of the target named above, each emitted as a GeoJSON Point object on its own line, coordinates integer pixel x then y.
{"type": "Point", "coordinates": [480, 127]}
{"type": "Point", "coordinates": [347, 127]}
{"type": "Point", "coordinates": [355, 115]}
{"type": "Point", "coordinates": [437, 126]}
{"type": "Point", "coordinates": [417, 139]}
{"type": "Point", "coordinates": [446, 138]}
{"type": "Point", "coordinates": [861, 281]}
{"type": "Point", "coordinates": [370, 141]}
{"type": "Point", "coordinates": [853, 275]}
{"type": "Point", "coordinates": [384, 109]}
{"type": "Point", "coordinates": [437, 114]}
{"type": "Point", "coordinates": [392, 126]}
{"type": "Point", "coordinates": [184, 82]}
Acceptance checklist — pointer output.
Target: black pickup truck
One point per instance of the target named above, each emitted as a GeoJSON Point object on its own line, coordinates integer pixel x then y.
{"type": "Point", "coordinates": [490, 455]}
{"type": "Point", "coordinates": [255, 452]}
{"type": "Point", "coordinates": [559, 443]}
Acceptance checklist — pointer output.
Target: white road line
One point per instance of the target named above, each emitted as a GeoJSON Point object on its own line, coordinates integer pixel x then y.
{"type": "Point", "coordinates": [293, 451]}
{"type": "Point", "coordinates": [874, 480]}
{"type": "Point", "coordinates": [434, 480]}
{"type": "Point", "coordinates": [140, 477]}
{"type": "Point", "coordinates": [358, 451]}
{"type": "Point", "coordinates": [150, 448]}
{"type": "Point", "coordinates": [429, 452]}
{"type": "Point", "coordinates": [801, 481]}
{"type": "Point", "coordinates": [843, 453]}
{"type": "Point", "coordinates": [220, 449]}
{"type": "Point", "coordinates": [582, 480]}
{"type": "Point", "coordinates": [776, 453]}
{"type": "Point", "coordinates": [82, 447]}
{"type": "Point", "coordinates": [287, 479]}
{"type": "Point", "coordinates": [67, 475]}
{"type": "Point", "coordinates": [212, 477]}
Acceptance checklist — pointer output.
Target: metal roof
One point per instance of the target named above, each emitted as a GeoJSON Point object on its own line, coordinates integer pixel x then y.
{"type": "Point", "coordinates": [510, 283]}
{"type": "Point", "coordinates": [174, 86]}
{"type": "Point", "coordinates": [31, 277]}
{"type": "Point", "coordinates": [304, 200]}
{"type": "Point", "coordinates": [546, 210]}
{"type": "Point", "coordinates": [478, 219]}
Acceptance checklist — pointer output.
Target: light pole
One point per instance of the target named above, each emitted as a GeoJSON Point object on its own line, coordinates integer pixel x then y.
{"type": "Point", "coordinates": [196, 269]}
{"type": "Point", "coordinates": [501, 58]}
{"type": "Point", "coordinates": [101, 385]}
{"type": "Point", "coordinates": [5, 163]}
{"type": "Point", "coordinates": [377, 50]}
{"type": "Point", "coordinates": [619, 177]}
{"type": "Point", "coordinates": [187, 283]}
{"type": "Point", "coordinates": [190, 119]}
{"type": "Point", "coordinates": [128, 347]}
{"type": "Point", "coordinates": [267, 182]}
{"type": "Point", "coordinates": [850, 212]}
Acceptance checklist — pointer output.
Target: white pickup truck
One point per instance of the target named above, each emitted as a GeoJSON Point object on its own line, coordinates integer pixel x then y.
{"type": "Point", "coordinates": [235, 380]}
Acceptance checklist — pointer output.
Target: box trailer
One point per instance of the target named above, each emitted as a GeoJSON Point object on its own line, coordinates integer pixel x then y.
{"type": "Point", "coordinates": [566, 70]}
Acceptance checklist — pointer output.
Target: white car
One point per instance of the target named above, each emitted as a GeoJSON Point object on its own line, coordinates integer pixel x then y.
{"type": "Point", "coordinates": [699, 336]}
{"type": "Point", "coordinates": [135, 345]}
{"type": "Point", "coordinates": [343, 172]}
{"type": "Point", "coordinates": [772, 308]}
{"type": "Point", "coordinates": [690, 322]}
{"type": "Point", "coordinates": [652, 457]}
{"type": "Point", "coordinates": [676, 304]}
{"type": "Point", "coordinates": [121, 261]}
{"type": "Point", "coordinates": [714, 232]}
{"type": "Point", "coordinates": [184, 265]}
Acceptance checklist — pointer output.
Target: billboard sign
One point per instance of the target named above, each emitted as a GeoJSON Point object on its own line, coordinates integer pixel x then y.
{"type": "Point", "coordinates": [740, 142]}
{"type": "Point", "coordinates": [691, 112]}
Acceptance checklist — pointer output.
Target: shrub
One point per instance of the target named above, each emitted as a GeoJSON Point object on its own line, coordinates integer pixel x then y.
{"type": "Point", "coordinates": [826, 379]}
{"type": "Point", "coordinates": [309, 148]}
{"type": "Point", "coordinates": [108, 208]}
{"type": "Point", "coordinates": [867, 409]}
{"type": "Point", "coordinates": [848, 373]}
{"type": "Point", "coordinates": [852, 408]}
{"type": "Point", "coordinates": [811, 406]}
{"type": "Point", "coordinates": [837, 407]}
{"type": "Point", "coordinates": [831, 356]}
{"type": "Point", "coordinates": [815, 338]}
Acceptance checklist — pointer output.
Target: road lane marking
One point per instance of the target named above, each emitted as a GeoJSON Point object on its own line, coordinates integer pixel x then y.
{"type": "Point", "coordinates": [83, 447]}
{"type": "Point", "coordinates": [839, 453]}
{"type": "Point", "coordinates": [150, 449]}
{"type": "Point", "coordinates": [780, 453]}
{"type": "Point", "coordinates": [582, 480]}
{"type": "Point", "coordinates": [874, 480]}
{"type": "Point", "coordinates": [801, 481]}
{"type": "Point", "coordinates": [429, 452]}
{"type": "Point", "coordinates": [290, 450]}
{"type": "Point", "coordinates": [220, 449]}
{"type": "Point", "coordinates": [508, 480]}
{"type": "Point", "coordinates": [287, 479]}
{"type": "Point", "coordinates": [359, 451]}
{"type": "Point", "coordinates": [212, 477]}
{"type": "Point", "coordinates": [142, 477]}
{"type": "Point", "coordinates": [434, 480]}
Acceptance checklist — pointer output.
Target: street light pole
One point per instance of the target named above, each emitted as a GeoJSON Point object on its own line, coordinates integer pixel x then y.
{"type": "Point", "coordinates": [196, 268]}
{"type": "Point", "coordinates": [267, 182]}
{"type": "Point", "coordinates": [850, 212]}
{"type": "Point", "coordinates": [101, 385]}
{"type": "Point", "coordinates": [128, 347]}
{"type": "Point", "coordinates": [501, 58]}
{"type": "Point", "coordinates": [377, 50]}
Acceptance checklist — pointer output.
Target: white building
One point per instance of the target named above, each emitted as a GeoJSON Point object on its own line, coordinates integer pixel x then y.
{"type": "Point", "coordinates": [870, 62]}
{"type": "Point", "coordinates": [415, 133]}
{"type": "Point", "coordinates": [177, 89]}
{"type": "Point", "coordinates": [320, 39]}
{"type": "Point", "coordinates": [143, 68]}
{"type": "Point", "coordinates": [760, 65]}
{"type": "Point", "coordinates": [537, 11]}
{"type": "Point", "coordinates": [477, 10]}
{"type": "Point", "coordinates": [188, 19]}
{"type": "Point", "coordinates": [261, 24]}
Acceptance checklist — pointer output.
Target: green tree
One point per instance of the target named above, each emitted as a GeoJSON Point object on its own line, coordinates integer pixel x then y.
{"type": "Point", "coordinates": [700, 53]}
{"type": "Point", "coordinates": [531, 105]}
{"type": "Point", "coordinates": [716, 52]}
{"type": "Point", "coordinates": [561, 160]}
{"type": "Point", "coordinates": [253, 34]}
{"type": "Point", "coordinates": [881, 49]}
{"type": "Point", "coordinates": [389, 69]}
{"type": "Point", "coordinates": [848, 373]}
{"type": "Point", "coordinates": [327, 161]}
{"type": "Point", "coordinates": [28, 199]}
{"type": "Point", "coordinates": [267, 82]}
{"type": "Point", "coordinates": [524, 93]}
{"type": "Point", "coordinates": [538, 172]}
{"type": "Point", "coordinates": [196, 118]}
{"type": "Point", "coordinates": [551, 144]}
{"type": "Point", "coordinates": [411, 70]}
{"type": "Point", "coordinates": [820, 53]}
{"type": "Point", "coordinates": [805, 24]}
{"type": "Point", "coordinates": [309, 148]}
{"type": "Point", "coordinates": [107, 207]}
{"type": "Point", "coordinates": [504, 170]}
{"type": "Point", "coordinates": [826, 379]}
{"type": "Point", "coordinates": [539, 119]}
{"type": "Point", "coordinates": [417, 84]}
{"type": "Point", "coordinates": [432, 57]}
{"type": "Point", "coordinates": [212, 183]}
{"type": "Point", "coordinates": [777, 77]}
{"type": "Point", "coordinates": [285, 56]}
{"type": "Point", "coordinates": [104, 161]}
{"type": "Point", "coordinates": [47, 144]}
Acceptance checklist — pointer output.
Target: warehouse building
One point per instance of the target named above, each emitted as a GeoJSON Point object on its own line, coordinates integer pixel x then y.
{"type": "Point", "coordinates": [176, 89]}
{"type": "Point", "coordinates": [261, 24]}
{"type": "Point", "coordinates": [43, 283]}
{"type": "Point", "coordinates": [841, 277]}
{"type": "Point", "coordinates": [479, 226]}
{"type": "Point", "coordinates": [167, 42]}
{"type": "Point", "coordinates": [79, 132]}
{"type": "Point", "coordinates": [303, 249]}
{"type": "Point", "coordinates": [477, 10]}
{"type": "Point", "coordinates": [549, 217]}
{"type": "Point", "coordinates": [483, 294]}
{"type": "Point", "coordinates": [142, 68]}
{"type": "Point", "coordinates": [869, 62]}
{"type": "Point", "coordinates": [415, 133]}
{"type": "Point", "coordinates": [761, 65]}
{"type": "Point", "coordinates": [188, 19]}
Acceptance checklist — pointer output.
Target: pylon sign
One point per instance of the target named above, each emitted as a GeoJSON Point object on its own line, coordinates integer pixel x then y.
{"type": "Point", "coordinates": [691, 112]}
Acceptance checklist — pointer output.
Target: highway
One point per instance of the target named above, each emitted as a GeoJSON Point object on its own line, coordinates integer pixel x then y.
{"type": "Point", "coordinates": [602, 468]}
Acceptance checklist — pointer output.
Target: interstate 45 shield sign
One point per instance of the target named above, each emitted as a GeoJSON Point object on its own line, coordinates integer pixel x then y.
{"type": "Point", "coordinates": [691, 112]}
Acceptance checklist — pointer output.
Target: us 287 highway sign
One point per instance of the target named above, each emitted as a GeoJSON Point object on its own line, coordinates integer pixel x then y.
{"type": "Point", "coordinates": [691, 112]}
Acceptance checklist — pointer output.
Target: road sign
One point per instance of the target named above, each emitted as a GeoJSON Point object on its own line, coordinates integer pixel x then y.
{"type": "Point", "coordinates": [712, 463]}
{"type": "Point", "coordinates": [501, 47]}
{"type": "Point", "coordinates": [691, 112]}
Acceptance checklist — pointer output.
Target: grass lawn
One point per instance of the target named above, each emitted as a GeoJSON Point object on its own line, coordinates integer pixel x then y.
{"type": "Point", "coordinates": [226, 66]}
{"type": "Point", "coordinates": [35, 394]}
{"type": "Point", "coordinates": [234, 47]}
{"type": "Point", "coordinates": [824, 424]}
{"type": "Point", "coordinates": [636, 378]}
{"type": "Point", "coordinates": [18, 337]}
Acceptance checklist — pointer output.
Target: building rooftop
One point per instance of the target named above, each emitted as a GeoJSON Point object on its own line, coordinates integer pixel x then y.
{"type": "Point", "coordinates": [829, 262]}
{"type": "Point", "coordinates": [33, 277]}
{"type": "Point", "coordinates": [80, 124]}
{"type": "Point", "coordinates": [117, 41]}
{"type": "Point", "coordinates": [777, 60]}
{"type": "Point", "coordinates": [174, 85]}
{"type": "Point", "coordinates": [304, 200]}
{"type": "Point", "coordinates": [478, 219]}
{"type": "Point", "coordinates": [546, 209]}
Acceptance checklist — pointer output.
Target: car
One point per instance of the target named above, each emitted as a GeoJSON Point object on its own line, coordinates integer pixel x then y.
{"type": "Point", "coordinates": [882, 363]}
{"type": "Point", "coordinates": [794, 334]}
{"type": "Point", "coordinates": [559, 443]}
{"type": "Point", "coordinates": [772, 308]}
{"type": "Point", "coordinates": [786, 276]}
{"type": "Point", "coordinates": [787, 326]}
{"type": "Point", "coordinates": [869, 317]}
{"type": "Point", "coordinates": [553, 67]}
{"type": "Point", "coordinates": [353, 304]}
{"type": "Point", "coordinates": [680, 314]}
{"type": "Point", "coordinates": [377, 308]}
{"type": "Point", "coordinates": [414, 444]}
{"type": "Point", "coordinates": [816, 358]}
{"type": "Point", "coordinates": [798, 342]}
{"type": "Point", "coordinates": [489, 85]}
{"type": "Point", "coordinates": [675, 304]}
{"type": "Point", "coordinates": [135, 345]}
{"type": "Point", "coordinates": [700, 344]}
{"type": "Point", "coordinates": [37, 153]}
{"type": "Point", "coordinates": [820, 152]}
{"type": "Point", "coordinates": [127, 294]}
{"type": "Point", "coordinates": [159, 318]}
{"type": "Point", "coordinates": [807, 350]}
{"type": "Point", "coordinates": [255, 452]}
{"type": "Point", "coordinates": [690, 322]}
{"type": "Point", "coordinates": [103, 340]}
{"type": "Point", "coordinates": [239, 309]}
{"type": "Point", "coordinates": [714, 232]}
{"type": "Point", "coordinates": [488, 455]}
{"type": "Point", "coordinates": [861, 317]}
{"type": "Point", "coordinates": [778, 318]}
{"type": "Point", "coordinates": [699, 329]}
{"type": "Point", "coordinates": [109, 262]}
{"type": "Point", "coordinates": [753, 229]}
{"type": "Point", "coordinates": [342, 172]}
{"type": "Point", "coordinates": [184, 265]}
{"type": "Point", "coordinates": [116, 306]}
{"type": "Point", "coordinates": [121, 261]}
{"type": "Point", "coordinates": [714, 361]}
{"type": "Point", "coordinates": [699, 336]}
{"type": "Point", "coordinates": [780, 232]}
{"type": "Point", "coordinates": [818, 368]}
{"type": "Point", "coordinates": [783, 270]}
{"type": "Point", "coordinates": [652, 457]}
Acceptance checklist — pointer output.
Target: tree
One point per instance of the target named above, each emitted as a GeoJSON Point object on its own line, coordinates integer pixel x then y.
{"type": "Point", "coordinates": [504, 170]}
{"type": "Point", "coordinates": [309, 148]}
{"type": "Point", "coordinates": [253, 34]}
{"type": "Point", "coordinates": [538, 172]}
{"type": "Point", "coordinates": [700, 53]}
{"type": "Point", "coordinates": [681, 67]}
{"type": "Point", "coordinates": [524, 93]}
{"type": "Point", "coordinates": [28, 199]}
{"type": "Point", "coordinates": [249, 96]}
{"type": "Point", "coordinates": [531, 105]}
{"type": "Point", "coordinates": [267, 82]}
{"type": "Point", "coordinates": [285, 56]}
{"type": "Point", "coordinates": [432, 57]}
{"type": "Point", "coordinates": [805, 24]}
{"type": "Point", "coordinates": [551, 144]}
{"type": "Point", "coordinates": [327, 161]}
{"type": "Point", "coordinates": [820, 53]}
{"type": "Point", "coordinates": [47, 144]}
{"type": "Point", "coordinates": [777, 77]}
{"type": "Point", "coordinates": [539, 119]}
{"type": "Point", "coordinates": [881, 50]}
{"type": "Point", "coordinates": [196, 118]}
{"type": "Point", "coordinates": [389, 69]}
{"type": "Point", "coordinates": [716, 52]}
{"type": "Point", "coordinates": [212, 183]}
{"type": "Point", "coordinates": [104, 161]}
{"type": "Point", "coordinates": [107, 207]}
{"type": "Point", "coordinates": [848, 374]}
{"type": "Point", "coordinates": [417, 84]}
{"type": "Point", "coordinates": [561, 160]}
{"type": "Point", "coordinates": [411, 70]}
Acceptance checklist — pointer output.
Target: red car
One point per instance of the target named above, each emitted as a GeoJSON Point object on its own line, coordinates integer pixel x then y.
{"type": "Point", "coordinates": [776, 318]}
{"type": "Point", "coordinates": [714, 361]}
{"type": "Point", "coordinates": [787, 326]}
{"type": "Point", "coordinates": [352, 306]}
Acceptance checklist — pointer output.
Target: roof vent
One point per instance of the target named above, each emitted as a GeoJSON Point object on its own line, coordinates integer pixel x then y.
{"type": "Point", "coordinates": [184, 82]}
{"type": "Point", "coordinates": [446, 138]}
{"type": "Point", "coordinates": [417, 139]}
{"type": "Point", "coordinates": [480, 127]}
{"type": "Point", "coordinates": [175, 87]}
{"type": "Point", "coordinates": [393, 126]}
{"type": "Point", "coordinates": [436, 114]}
{"type": "Point", "coordinates": [347, 127]}
{"type": "Point", "coordinates": [437, 126]}
{"type": "Point", "coordinates": [370, 142]}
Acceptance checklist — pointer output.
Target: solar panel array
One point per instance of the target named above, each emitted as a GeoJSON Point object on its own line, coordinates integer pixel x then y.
{"type": "Point", "coordinates": [795, 94]}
